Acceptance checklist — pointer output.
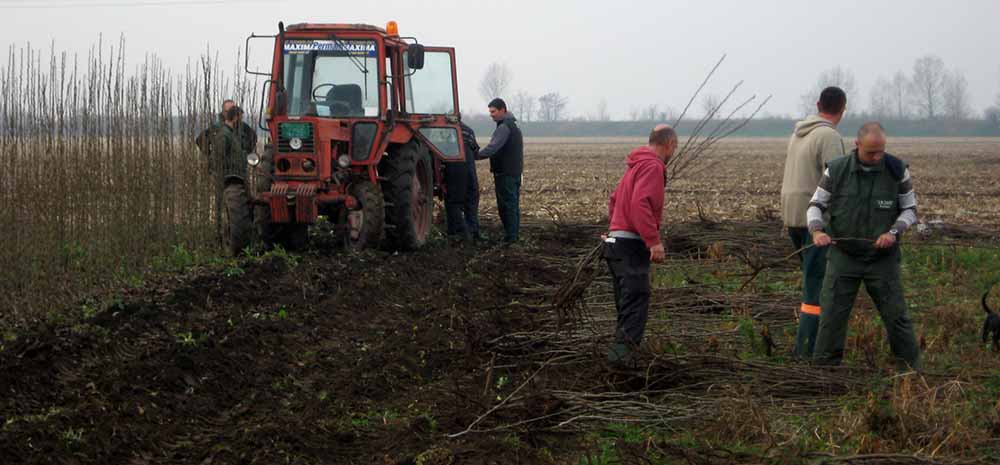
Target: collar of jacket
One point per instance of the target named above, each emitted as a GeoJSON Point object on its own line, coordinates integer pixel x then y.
{"type": "Point", "coordinates": [506, 117]}
{"type": "Point", "coordinates": [856, 161]}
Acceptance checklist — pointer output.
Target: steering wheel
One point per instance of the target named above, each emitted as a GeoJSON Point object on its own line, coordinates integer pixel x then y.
{"type": "Point", "coordinates": [317, 88]}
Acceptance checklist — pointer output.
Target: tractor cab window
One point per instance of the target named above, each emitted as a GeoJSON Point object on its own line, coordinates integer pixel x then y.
{"type": "Point", "coordinates": [331, 78]}
{"type": "Point", "coordinates": [430, 90]}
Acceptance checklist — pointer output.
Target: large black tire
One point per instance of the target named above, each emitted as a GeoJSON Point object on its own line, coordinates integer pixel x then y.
{"type": "Point", "coordinates": [408, 187]}
{"type": "Point", "coordinates": [237, 223]}
{"type": "Point", "coordinates": [290, 236]}
{"type": "Point", "coordinates": [262, 213]}
{"type": "Point", "coordinates": [364, 228]}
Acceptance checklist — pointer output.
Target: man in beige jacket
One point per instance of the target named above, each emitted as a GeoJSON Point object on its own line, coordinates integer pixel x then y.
{"type": "Point", "coordinates": [814, 143]}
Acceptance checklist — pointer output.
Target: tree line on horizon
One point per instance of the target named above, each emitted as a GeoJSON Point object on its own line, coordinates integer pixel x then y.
{"type": "Point", "coordinates": [929, 92]}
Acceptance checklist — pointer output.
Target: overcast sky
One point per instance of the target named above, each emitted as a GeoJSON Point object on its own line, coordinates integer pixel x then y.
{"type": "Point", "coordinates": [632, 53]}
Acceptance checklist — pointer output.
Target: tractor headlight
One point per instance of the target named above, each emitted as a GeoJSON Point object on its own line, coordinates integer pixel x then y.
{"type": "Point", "coordinates": [295, 143]}
{"type": "Point", "coordinates": [344, 161]}
{"type": "Point", "coordinates": [308, 166]}
{"type": "Point", "coordinates": [253, 159]}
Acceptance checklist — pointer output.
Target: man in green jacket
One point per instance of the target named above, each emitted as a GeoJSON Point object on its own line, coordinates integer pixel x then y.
{"type": "Point", "coordinates": [814, 143]}
{"type": "Point", "coordinates": [229, 151]}
{"type": "Point", "coordinates": [870, 201]}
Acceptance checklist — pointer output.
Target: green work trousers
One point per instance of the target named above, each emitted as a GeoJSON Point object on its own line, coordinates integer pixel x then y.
{"type": "Point", "coordinates": [844, 275]}
{"type": "Point", "coordinates": [508, 189]}
{"type": "Point", "coordinates": [813, 264]}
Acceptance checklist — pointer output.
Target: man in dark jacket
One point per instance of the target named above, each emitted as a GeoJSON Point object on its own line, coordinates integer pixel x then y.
{"type": "Point", "coordinates": [462, 202]}
{"type": "Point", "coordinates": [870, 201]}
{"type": "Point", "coordinates": [226, 148]}
{"type": "Point", "coordinates": [633, 241]}
{"type": "Point", "coordinates": [244, 134]}
{"type": "Point", "coordinates": [506, 154]}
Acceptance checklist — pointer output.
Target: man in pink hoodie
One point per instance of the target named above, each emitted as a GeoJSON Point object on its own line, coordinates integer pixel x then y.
{"type": "Point", "coordinates": [633, 240]}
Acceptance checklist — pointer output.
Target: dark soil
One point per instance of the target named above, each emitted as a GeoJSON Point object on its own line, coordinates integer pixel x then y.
{"type": "Point", "coordinates": [364, 358]}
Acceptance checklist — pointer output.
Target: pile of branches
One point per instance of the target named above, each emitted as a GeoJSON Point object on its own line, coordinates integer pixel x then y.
{"type": "Point", "coordinates": [569, 389]}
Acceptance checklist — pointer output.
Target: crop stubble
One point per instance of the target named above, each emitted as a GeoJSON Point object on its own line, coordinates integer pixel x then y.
{"type": "Point", "coordinates": [955, 178]}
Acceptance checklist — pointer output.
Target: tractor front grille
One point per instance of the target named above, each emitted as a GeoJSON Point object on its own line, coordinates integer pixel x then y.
{"type": "Point", "coordinates": [289, 131]}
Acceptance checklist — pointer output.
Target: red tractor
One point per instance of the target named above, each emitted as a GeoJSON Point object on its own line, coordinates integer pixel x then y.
{"type": "Point", "coordinates": [360, 121]}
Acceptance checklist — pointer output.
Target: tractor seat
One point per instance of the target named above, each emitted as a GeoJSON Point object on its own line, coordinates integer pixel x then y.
{"type": "Point", "coordinates": [345, 100]}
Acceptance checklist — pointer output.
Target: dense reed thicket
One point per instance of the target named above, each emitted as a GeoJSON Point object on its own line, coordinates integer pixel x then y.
{"type": "Point", "coordinates": [98, 170]}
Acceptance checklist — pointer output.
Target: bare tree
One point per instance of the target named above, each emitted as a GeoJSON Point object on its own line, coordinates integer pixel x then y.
{"type": "Point", "coordinates": [996, 102]}
{"type": "Point", "coordinates": [495, 81]}
{"type": "Point", "coordinates": [880, 99]}
{"type": "Point", "coordinates": [709, 105]}
{"type": "Point", "coordinates": [529, 108]}
{"type": "Point", "coordinates": [927, 85]}
{"type": "Point", "coordinates": [993, 115]}
{"type": "Point", "coordinates": [956, 96]}
{"type": "Point", "coordinates": [668, 113]}
{"type": "Point", "coordinates": [523, 105]}
{"type": "Point", "coordinates": [899, 86]}
{"type": "Point", "coordinates": [602, 111]}
{"type": "Point", "coordinates": [551, 106]}
{"type": "Point", "coordinates": [634, 113]}
{"type": "Point", "coordinates": [650, 112]}
{"type": "Point", "coordinates": [836, 76]}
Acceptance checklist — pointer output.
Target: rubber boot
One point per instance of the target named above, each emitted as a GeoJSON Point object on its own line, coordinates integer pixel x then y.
{"type": "Point", "coordinates": [805, 338]}
{"type": "Point", "coordinates": [619, 355]}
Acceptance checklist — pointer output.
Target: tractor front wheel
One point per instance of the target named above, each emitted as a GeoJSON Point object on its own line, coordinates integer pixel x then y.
{"type": "Point", "coordinates": [237, 223]}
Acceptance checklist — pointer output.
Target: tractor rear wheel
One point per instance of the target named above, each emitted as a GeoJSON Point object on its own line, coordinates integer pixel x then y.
{"type": "Point", "coordinates": [237, 223]}
{"type": "Point", "coordinates": [408, 187]}
{"type": "Point", "coordinates": [363, 227]}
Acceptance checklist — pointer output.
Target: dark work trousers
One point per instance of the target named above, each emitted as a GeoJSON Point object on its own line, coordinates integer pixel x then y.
{"type": "Point", "coordinates": [462, 200]}
{"type": "Point", "coordinates": [508, 189]}
{"type": "Point", "coordinates": [813, 264]}
{"type": "Point", "coordinates": [844, 275]}
{"type": "Point", "coordinates": [628, 260]}
{"type": "Point", "coordinates": [471, 206]}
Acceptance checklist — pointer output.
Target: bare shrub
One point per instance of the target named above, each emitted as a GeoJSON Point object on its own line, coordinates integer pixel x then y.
{"type": "Point", "coordinates": [98, 169]}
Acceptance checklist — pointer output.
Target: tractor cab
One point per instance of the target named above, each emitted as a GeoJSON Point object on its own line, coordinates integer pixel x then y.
{"type": "Point", "coordinates": [361, 122]}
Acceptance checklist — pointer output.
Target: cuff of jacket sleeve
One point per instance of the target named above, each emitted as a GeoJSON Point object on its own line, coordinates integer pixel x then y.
{"type": "Point", "coordinates": [815, 226]}
{"type": "Point", "coordinates": [900, 226]}
{"type": "Point", "coordinates": [651, 241]}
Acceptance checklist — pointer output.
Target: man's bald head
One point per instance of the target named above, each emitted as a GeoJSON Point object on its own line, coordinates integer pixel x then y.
{"type": "Point", "coordinates": [662, 134]}
{"type": "Point", "coordinates": [663, 139]}
{"type": "Point", "coordinates": [871, 143]}
{"type": "Point", "coordinates": [871, 129]}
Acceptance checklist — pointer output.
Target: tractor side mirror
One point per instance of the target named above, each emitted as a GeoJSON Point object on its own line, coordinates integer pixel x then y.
{"type": "Point", "coordinates": [415, 56]}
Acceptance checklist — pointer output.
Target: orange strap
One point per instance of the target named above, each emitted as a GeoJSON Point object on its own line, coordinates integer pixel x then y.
{"type": "Point", "coordinates": [810, 309]}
